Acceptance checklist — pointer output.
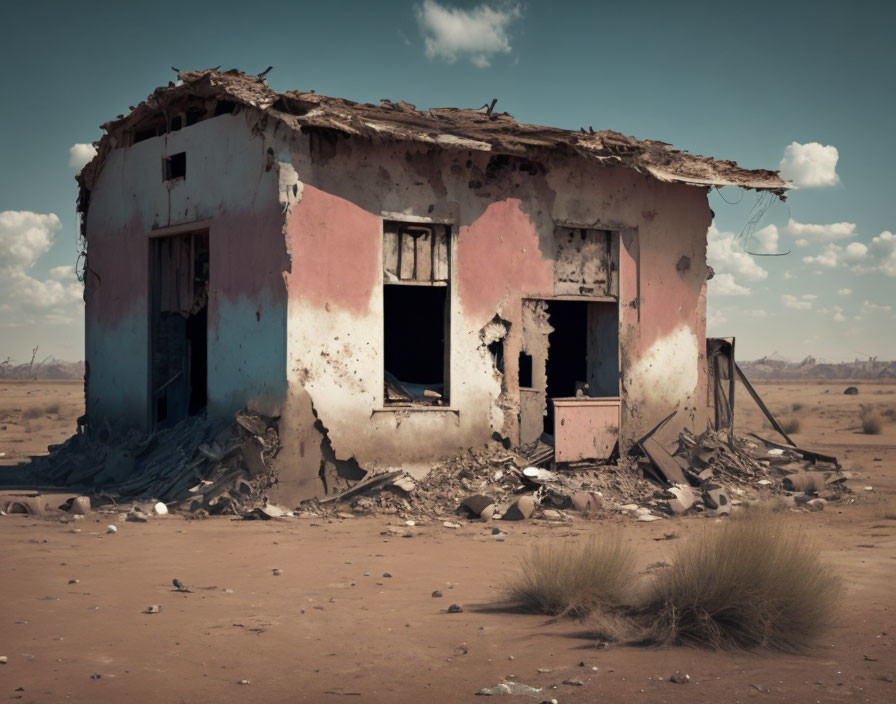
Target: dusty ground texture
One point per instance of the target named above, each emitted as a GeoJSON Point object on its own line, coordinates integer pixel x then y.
{"type": "Point", "coordinates": [331, 625]}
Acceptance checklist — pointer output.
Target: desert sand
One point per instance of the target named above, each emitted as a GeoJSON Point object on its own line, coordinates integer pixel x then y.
{"type": "Point", "coordinates": [332, 625]}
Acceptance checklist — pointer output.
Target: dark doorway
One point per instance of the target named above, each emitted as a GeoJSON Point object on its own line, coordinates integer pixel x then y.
{"type": "Point", "coordinates": [179, 327]}
{"type": "Point", "coordinates": [415, 332]}
{"type": "Point", "coordinates": [567, 366]}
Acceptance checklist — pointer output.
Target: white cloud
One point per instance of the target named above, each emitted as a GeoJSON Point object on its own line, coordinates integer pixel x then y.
{"type": "Point", "coordinates": [715, 317]}
{"type": "Point", "coordinates": [476, 33]}
{"type": "Point", "coordinates": [810, 165]}
{"type": "Point", "coordinates": [819, 233]}
{"type": "Point", "coordinates": [844, 291]}
{"type": "Point", "coordinates": [79, 155]}
{"type": "Point", "coordinates": [726, 255]}
{"type": "Point", "coordinates": [854, 254]}
{"type": "Point", "coordinates": [870, 308]}
{"type": "Point", "coordinates": [803, 303]}
{"type": "Point", "coordinates": [766, 240]}
{"type": "Point", "coordinates": [883, 252]}
{"type": "Point", "coordinates": [24, 238]}
{"type": "Point", "coordinates": [725, 285]}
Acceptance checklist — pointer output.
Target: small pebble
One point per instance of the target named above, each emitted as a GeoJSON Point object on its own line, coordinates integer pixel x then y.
{"type": "Point", "coordinates": [243, 682]}
{"type": "Point", "coordinates": [3, 659]}
{"type": "Point", "coordinates": [680, 678]}
{"type": "Point", "coordinates": [437, 594]}
{"type": "Point", "coordinates": [386, 574]}
{"type": "Point", "coordinates": [455, 609]}
{"type": "Point", "coordinates": [74, 581]}
{"type": "Point", "coordinates": [277, 571]}
{"type": "Point", "coordinates": [111, 529]}
{"type": "Point", "coordinates": [96, 676]}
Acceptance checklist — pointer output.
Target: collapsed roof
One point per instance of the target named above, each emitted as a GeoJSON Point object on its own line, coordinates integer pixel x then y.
{"type": "Point", "coordinates": [446, 128]}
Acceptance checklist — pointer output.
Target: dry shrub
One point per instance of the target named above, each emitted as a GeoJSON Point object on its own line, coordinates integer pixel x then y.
{"type": "Point", "coordinates": [751, 582]}
{"type": "Point", "coordinates": [33, 412]}
{"type": "Point", "coordinates": [872, 421]}
{"type": "Point", "coordinates": [573, 578]}
{"type": "Point", "coordinates": [51, 408]}
{"type": "Point", "coordinates": [791, 425]}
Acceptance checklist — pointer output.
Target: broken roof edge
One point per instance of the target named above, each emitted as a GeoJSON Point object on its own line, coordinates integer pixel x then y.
{"type": "Point", "coordinates": [445, 128]}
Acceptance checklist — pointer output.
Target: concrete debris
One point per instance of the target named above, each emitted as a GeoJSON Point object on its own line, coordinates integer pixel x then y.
{"type": "Point", "coordinates": [514, 688]}
{"type": "Point", "coordinates": [200, 469]}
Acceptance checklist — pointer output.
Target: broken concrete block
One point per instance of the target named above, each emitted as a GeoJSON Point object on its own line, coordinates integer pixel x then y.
{"type": "Point", "coordinates": [587, 502]}
{"type": "Point", "coordinates": [683, 499]}
{"type": "Point", "coordinates": [816, 504]}
{"type": "Point", "coordinates": [717, 500]}
{"type": "Point", "coordinates": [520, 509]}
{"type": "Point", "coordinates": [552, 515]}
{"type": "Point", "coordinates": [253, 456]}
{"type": "Point", "coordinates": [808, 482]}
{"type": "Point", "coordinates": [80, 506]}
{"type": "Point", "coordinates": [474, 506]}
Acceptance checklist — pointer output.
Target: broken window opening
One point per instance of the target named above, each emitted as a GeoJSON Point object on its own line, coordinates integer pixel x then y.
{"type": "Point", "coordinates": [416, 317]}
{"type": "Point", "coordinates": [179, 327]}
{"type": "Point", "coordinates": [525, 371]}
{"type": "Point", "coordinates": [175, 166]}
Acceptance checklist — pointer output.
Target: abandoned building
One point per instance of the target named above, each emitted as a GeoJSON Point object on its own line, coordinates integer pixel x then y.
{"type": "Point", "coordinates": [396, 285]}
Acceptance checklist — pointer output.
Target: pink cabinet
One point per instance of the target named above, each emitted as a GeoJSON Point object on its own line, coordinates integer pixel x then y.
{"type": "Point", "coordinates": [585, 428]}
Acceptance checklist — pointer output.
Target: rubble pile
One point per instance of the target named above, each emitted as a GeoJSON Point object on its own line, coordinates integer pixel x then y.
{"type": "Point", "coordinates": [192, 465]}
{"type": "Point", "coordinates": [202, 470]}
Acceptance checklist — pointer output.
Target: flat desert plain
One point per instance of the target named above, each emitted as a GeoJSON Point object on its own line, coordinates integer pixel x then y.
{"type": "Point", "coordinates": [352, 616]}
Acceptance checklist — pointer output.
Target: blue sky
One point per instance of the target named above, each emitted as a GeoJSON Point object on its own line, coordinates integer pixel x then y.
{"type": "Point", "coordinates": [742, 81]}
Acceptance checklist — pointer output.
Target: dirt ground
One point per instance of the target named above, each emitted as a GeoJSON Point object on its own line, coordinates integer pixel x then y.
{"type": "Point", "coordinates": [332, 625]}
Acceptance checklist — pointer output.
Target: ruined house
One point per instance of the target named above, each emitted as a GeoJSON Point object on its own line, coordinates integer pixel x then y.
{"type": "Point", "coordinates": [395, 284]}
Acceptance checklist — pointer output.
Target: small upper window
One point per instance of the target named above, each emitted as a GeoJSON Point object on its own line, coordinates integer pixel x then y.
{"type": "Point", "coordinates": [175, 166]}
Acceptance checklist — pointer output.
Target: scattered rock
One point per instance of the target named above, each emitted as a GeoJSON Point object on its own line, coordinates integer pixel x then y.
{"type": "Point", "coordinates": [517, 688]}
{"type": "Point", "coordinates": [80, 506]}
{"type": "Point", "coordinates": [680, 677]}
{"type": "Point", "coordinates": [244, 682]}
{"type": "Point", "coordinates": [552, 515]}
{"type": "Point", "coordinates": [683, 499]}
{"type": "Point", "coordinates": [520, 510]}
{"type": "Point", "coordinates": [851, 391]}
{"type": "Point", "coordinates": [111, 529]}
{"type": "Point", "coordinates": [74, 581]}
{"type": "Point", "coordinates": [451, 524]}
{"type": "Point", "coordinates": [3, 659]}
{"type": "Point", "coordinates": [455, 609]}
{"type": "Point", "coordinates": [135, 515]}
{"type": "Point", "coordinates": [477, 506]}
{"type": "Point", "coordinates": [153, 609]}
{"type": "Point", "coordinates": [437, 594]}
{"type": "Point", "coordinates": [277, 571]}
{"type": "Point", "coordinates": [717, 500]}
{"type": "Point", "coordinates": [587, 502]}
{"type": "Point", "coordinates": [649, 517]}
{"type": "Point", "coordinates": [96, 676]}
{"type": "Point", "coordinates": [573, 683]}
{"type": "Point", "coordinates": [160, 508]}
{"type": "Point", "coordinates": [387, 575]}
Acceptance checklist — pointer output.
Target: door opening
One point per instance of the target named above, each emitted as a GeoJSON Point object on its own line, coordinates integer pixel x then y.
{"type": "Point", "coordinates": [178, 327]}
{"type": "Point", "coordinates": [582, 353]}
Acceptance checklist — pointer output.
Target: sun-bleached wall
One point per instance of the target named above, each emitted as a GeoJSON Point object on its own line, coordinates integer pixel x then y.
{"type": "Point", "coordinates": [503, 219]}
{"type": "Point", "coordinates": [232, 190]}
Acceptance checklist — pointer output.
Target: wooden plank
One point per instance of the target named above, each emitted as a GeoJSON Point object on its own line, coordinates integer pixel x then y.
{"type": "Point", "coordinates": [663, 461]}
{"type": "Point", "coordinates": [441, 270]}
{"type": "Point", "coordinates": [423, 248]}
{"type": "Point", "coordinates": [390, 254]}
{"type": "Point", "coordinates": [406, 247]}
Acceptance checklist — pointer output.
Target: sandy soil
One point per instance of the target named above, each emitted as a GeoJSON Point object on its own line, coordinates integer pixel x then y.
{"type": "Point", "coordinates": [332, 625]}
{"type": "Point", "coordinates": [35, 414]}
